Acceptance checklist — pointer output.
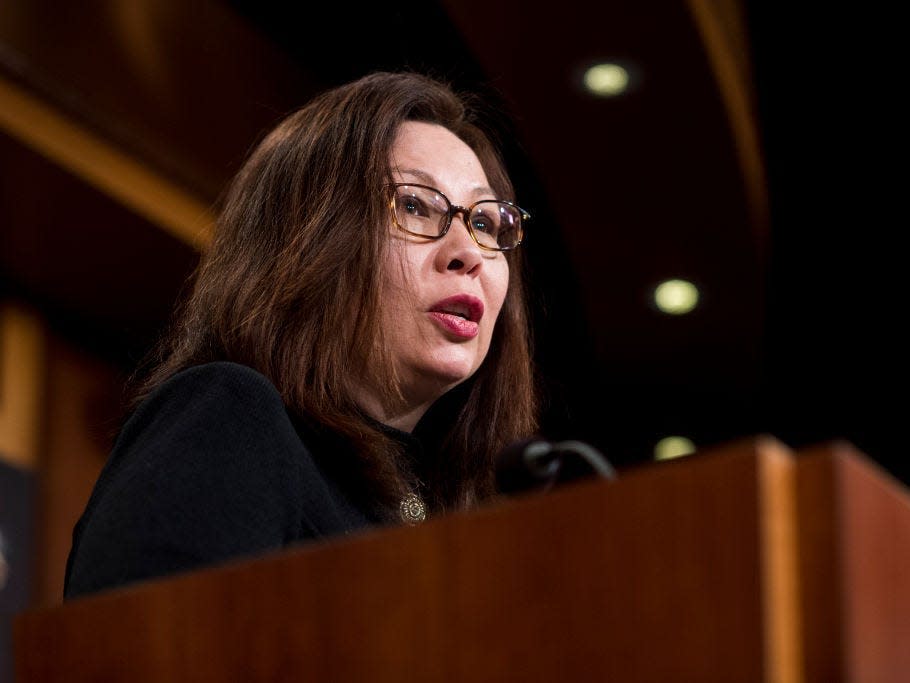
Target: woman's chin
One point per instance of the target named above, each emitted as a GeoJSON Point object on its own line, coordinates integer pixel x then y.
{"type": "Point", "coordinates": [439, 376]}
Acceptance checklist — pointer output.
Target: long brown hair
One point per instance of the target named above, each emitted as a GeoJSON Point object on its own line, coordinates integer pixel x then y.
{"type": "Point", "coordinates": [290, 287]}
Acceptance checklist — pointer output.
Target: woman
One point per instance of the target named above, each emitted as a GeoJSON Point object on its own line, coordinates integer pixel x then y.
{"type": "Point", "coordinates": [354, 352]}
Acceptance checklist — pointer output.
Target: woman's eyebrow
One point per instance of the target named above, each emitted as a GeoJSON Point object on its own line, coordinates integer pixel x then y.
{"type": "Point", "coordinates": [483, 190]}
{"type": "Point", "coordinates": [422, 175]}
{"type": "Point", "coordinates": [430, 180]}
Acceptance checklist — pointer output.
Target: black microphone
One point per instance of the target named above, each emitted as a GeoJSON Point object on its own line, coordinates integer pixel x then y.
{"type": "Point", "coordinates": [538, 464]}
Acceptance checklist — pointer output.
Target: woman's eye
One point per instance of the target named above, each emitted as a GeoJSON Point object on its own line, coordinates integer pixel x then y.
{"type": "Point", "coordinates": [483, 223]}
{"type": "Point", "coordinates": [412, 206]}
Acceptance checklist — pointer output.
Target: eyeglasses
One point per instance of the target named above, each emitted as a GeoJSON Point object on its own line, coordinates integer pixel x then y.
{"type": "Point", "coordinates": [425, 211]}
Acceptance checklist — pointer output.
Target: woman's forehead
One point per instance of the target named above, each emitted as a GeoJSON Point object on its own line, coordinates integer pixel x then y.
{"type": "Point", "coordinates": [431, 154]}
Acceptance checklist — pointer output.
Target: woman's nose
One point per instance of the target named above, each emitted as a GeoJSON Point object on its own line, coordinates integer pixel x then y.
{"type": "Point", "coordinates": [458, 250]}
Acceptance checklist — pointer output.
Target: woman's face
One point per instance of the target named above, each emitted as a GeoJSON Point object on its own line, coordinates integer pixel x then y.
{"type": "Point", "coordinates": [444, 295]}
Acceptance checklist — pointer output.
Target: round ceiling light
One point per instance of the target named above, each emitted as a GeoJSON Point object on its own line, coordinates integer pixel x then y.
{"type": "Point", "coordinates": [676, 297]}
{"type": "Point", "coordinates": [606, 80]}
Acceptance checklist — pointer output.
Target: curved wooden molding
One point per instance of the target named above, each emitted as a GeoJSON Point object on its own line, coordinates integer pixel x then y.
{"type": "Point", "coordinates": [722, 29]}
{"type": "Point", "coordinates": [87, 156]}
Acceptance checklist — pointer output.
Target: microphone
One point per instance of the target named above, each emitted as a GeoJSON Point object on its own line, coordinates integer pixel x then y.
{"type": "Point", "coordinates": [538, 464]}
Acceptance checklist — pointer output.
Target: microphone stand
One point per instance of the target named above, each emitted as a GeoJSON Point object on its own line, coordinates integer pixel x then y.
{"type": "Point", "coordinates": [535, 464]}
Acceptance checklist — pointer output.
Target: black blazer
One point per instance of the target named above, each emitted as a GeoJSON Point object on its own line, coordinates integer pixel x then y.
{"type": "Point", "coordinates": [210, 467]}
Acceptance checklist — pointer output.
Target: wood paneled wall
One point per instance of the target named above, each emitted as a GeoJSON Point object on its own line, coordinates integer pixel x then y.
{"type": "Point", "coordinates": [59, 410]}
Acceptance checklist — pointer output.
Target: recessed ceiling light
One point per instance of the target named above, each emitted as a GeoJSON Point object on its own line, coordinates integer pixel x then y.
{"type": "Point", "coordinates": [606, 80]}
{"type": "Point", "coordinates": [676, 297]}
{"type": "Point", "coordinates": [673, 447]}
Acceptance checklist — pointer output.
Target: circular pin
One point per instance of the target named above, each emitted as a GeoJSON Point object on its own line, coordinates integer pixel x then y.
{"type": "Point", "coordinates": [412, 509]}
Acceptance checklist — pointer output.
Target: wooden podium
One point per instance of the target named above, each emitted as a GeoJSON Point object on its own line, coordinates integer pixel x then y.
{"type": "Point", "coordinates": [745, 563]}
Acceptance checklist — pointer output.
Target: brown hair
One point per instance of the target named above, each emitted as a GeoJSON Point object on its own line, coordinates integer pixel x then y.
{"type": "Point", "coordinates": [290, 287]}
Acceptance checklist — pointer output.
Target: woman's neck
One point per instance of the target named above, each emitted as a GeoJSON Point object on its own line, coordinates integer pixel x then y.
{"type": "Point", "coordinates": [403, 417]}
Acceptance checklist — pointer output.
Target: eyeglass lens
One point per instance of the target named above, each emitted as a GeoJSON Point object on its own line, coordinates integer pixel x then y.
{"type": "Point", "coordinates": [424, 211]}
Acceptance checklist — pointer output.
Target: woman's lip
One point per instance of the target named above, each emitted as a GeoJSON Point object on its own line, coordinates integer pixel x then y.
{"type": "Point", "coordinates": [455, 324]}
{"type": "Point", "coordinates": [455, 305]}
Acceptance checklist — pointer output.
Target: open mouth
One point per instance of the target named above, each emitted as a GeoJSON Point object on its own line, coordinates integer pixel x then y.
{"type": "Point", "coordinates": [458, 315]}
{"type": "Point", "coordinates": [460, 306]}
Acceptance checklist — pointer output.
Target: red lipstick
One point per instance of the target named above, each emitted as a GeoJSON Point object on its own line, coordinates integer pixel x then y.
{"type": "Point", "coordinates": [459, 315]}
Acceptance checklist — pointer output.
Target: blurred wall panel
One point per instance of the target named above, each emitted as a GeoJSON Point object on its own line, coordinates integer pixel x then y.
{"type": "Point", "coordinates": [80, 419]}
{"type": "Point", "coordinates": [16, 552]}
{"type": "Point", "coordinates": [21, 379]}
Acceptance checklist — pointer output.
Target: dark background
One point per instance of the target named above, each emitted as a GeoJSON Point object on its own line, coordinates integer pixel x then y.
{"type": "Point", "coordinates": [829, 104]}
{"type": "Point", "coordinates": [797, 335]}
